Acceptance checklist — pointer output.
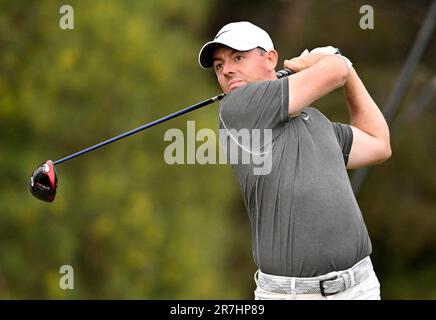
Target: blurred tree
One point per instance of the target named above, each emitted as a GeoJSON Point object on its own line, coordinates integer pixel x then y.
{"type": "Point", "coordinates": [130, 225]}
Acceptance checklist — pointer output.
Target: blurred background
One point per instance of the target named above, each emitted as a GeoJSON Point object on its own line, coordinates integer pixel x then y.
{"type": "Point", "coordinates": [134, 227]}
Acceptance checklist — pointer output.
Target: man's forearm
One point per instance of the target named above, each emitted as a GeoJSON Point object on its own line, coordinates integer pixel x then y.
{"type": "Point", "coordinates": [364, 112]}
{"type": "Point", "coordinates": [317, 78]}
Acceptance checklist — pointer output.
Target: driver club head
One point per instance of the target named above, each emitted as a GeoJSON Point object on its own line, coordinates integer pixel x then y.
{"type": "Point", "coordinates": [43, 182]}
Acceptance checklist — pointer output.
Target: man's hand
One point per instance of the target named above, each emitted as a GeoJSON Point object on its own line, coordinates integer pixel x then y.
{"type": "Point", "coordinates": [307, 59]}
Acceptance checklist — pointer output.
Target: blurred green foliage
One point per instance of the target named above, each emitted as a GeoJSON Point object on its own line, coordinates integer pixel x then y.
{"type": "Point", "coordinates": [129, 224]}
{"type": "Point", "coordinates": [133, 227]}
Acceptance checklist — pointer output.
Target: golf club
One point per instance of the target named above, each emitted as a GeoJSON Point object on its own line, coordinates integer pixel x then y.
{"type": "Point", "coordinates": [43, 182]}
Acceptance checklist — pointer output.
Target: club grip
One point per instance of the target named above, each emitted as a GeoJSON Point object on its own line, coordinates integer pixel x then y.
{"type": "Point", "coordinates": [283, 73]}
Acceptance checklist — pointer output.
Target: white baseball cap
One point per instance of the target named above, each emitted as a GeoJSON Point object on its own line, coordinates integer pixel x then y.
{"type": "Point", "coordinates": [241, 36]}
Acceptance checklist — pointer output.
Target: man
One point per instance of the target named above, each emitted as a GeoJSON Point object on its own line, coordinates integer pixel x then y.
{"type": "Point", "coordinates": [309, 237]}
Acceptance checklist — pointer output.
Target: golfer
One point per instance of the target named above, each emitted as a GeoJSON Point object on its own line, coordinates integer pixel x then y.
{"type": "Point", "coordinates": [309, 238]}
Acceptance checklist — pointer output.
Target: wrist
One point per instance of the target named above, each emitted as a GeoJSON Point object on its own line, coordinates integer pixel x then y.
{"type": "Point", "coordinates": [346, 60]}
{"type": "Point", "coordinates": [339, 62]}
{"type": "Point", "coordinates": [352, 77]}
{"type": "Point", "coordinates": [334, 67]}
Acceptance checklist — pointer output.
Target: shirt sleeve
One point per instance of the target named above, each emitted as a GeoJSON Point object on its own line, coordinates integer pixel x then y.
{"type": "Point", "coordinates": [260, 105]}
{"type": "Point", "coordinates": [344, 135]}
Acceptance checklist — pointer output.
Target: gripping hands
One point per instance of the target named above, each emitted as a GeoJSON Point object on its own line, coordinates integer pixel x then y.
{"type": "Point", "coordinates": [308, 58]}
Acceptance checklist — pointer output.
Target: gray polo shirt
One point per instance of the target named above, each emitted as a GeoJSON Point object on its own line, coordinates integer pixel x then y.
{"type": "Point", "coordinates": [305, 219]}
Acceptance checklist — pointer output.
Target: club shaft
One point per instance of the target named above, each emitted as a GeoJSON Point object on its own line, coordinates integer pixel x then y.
{"type": "Point", "coordinates": [201, 104]}
{"type": "Point", "coordinates": [143, 127]}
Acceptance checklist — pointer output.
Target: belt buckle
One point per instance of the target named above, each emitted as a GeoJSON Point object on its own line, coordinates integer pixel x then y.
{"type": "Point", "coordinates": [321, 287]}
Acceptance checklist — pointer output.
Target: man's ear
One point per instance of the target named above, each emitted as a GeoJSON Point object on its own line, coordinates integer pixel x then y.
{"type": "Point", "coordinates": [272, 57]}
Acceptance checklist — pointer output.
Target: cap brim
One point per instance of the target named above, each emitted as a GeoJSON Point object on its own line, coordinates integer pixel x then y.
{"type": "Point", "coordinates": [205, 57]}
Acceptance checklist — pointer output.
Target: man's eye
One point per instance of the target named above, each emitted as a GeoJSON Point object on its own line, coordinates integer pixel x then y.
{"type": "Point", "coordinates": [218, 66]}
{"type": "Point", "coordinates": [239, 58]}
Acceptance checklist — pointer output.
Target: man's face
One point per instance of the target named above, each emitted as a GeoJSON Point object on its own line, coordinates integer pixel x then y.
{"type": "Point", "coordinates": [236, 68]}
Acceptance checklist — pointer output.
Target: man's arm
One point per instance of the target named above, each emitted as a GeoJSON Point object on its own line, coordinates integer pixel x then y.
{"type": "Point", "coordinates": [316, 75]}
{"type": "Point", "coordinates": [371, 142]}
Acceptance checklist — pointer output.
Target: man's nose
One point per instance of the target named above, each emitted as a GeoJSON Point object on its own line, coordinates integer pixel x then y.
{"type": "Point", "coordinates": [228, 68]}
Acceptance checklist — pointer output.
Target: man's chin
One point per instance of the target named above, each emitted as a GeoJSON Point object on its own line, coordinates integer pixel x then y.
{"type": "Point", "coordinates": [235, 86]}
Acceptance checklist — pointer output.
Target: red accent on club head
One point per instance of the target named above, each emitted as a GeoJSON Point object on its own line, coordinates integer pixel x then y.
{"type": "Point", "coordinates": [51, 174]}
